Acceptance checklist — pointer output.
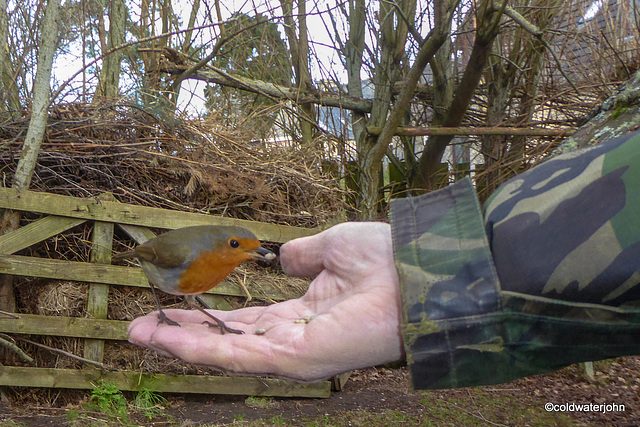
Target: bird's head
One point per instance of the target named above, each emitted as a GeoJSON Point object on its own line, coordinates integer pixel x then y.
{"type": "Point", "coordinates": [240, 243]}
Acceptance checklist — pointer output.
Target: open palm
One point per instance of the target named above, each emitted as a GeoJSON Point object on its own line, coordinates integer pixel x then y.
{"type": "Point", "coordinates": [349, 318]}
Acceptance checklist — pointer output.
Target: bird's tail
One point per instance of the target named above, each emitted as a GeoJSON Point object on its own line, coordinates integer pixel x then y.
{"type": "Point", "coordinates": [123, 255]}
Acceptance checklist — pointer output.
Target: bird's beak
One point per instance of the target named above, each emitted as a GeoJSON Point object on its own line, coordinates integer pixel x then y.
{"type": "Point", "coordinates": [262, 253]}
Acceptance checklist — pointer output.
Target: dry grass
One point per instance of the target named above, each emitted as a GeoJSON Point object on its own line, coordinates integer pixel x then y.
{"type": "Point", "coordinates": [191, 166]}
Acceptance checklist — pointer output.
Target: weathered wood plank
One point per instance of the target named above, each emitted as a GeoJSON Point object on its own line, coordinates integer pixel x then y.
{"type": "Point", "coordinates": [71, 270]}
{"type": "Point", "coordinates": [78, 327]}
{"type": "Point", "coordinates": [338, 381]}
{"type": "Point", "coordinates": [108, 274]}
{"type": "Point", "coordinates": [135, 381]}
{"type": "Point", "coordinates": [216, 302]}
{"type": "Point", "coordinates": [98, 293]}
{"type": "Point", "coordinates": [35, 232]}
{"type": "Point", "coordinates": [92, 209]}
{"type": "Point", "coordinates": [139, 234]}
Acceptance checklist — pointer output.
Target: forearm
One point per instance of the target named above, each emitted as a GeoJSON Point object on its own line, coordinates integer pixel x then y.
{"type": "Point", "coordinates": [551, 282]}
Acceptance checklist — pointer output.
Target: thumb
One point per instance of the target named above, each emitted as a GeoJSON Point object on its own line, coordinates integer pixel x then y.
{"type": "Point", "coordinates": [304, 257]}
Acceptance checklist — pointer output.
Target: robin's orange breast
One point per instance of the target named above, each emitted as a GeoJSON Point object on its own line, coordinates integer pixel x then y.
{"type": "Point", "coordinates": [208, 270]}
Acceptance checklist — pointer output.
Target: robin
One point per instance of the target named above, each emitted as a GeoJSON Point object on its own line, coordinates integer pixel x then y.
{"type": "Point", "coordinates": [191, 260]}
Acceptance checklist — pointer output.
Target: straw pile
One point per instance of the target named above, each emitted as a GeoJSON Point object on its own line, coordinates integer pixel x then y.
{"type": "Point", "coordinates": [178, 164]}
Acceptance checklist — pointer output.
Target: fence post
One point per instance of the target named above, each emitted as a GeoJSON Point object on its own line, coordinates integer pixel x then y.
{"type": "Point", "coordinates": [97, 300]}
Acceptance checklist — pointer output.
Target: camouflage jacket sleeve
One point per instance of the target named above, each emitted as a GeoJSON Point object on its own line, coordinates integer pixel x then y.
{"type": "Point", "coordinates": [547, 277]}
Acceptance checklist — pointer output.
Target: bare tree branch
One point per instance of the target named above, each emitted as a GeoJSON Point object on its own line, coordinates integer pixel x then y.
{"type": "Point", "coordinates": [214, 52]}
{"type": "Point", "coordinates": [537, 32]}
{"type": "Point", "coordinates": [480, 130]}
{"type": "Point", "coordinates": [328, 99]}
{"type": "Point", "coordinates": [5, 341]}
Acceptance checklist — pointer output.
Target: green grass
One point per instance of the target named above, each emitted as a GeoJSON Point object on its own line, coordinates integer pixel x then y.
{"type": "Point", "coordinates": [150, 403]}
{"type": "Point", "coordinates": [11, 423]}
{"type": "Point", "coordinates": [478, 407]}
{"type": "Point", "coordinates": [486, 407]}
{"type": "Point", "coordinates": [363, 418]}
{"type": "Point", "coordinates": [260, 402]}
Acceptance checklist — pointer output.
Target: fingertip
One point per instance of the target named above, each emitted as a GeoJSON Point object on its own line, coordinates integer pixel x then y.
{"type": "Point", "coordinates": [302, 257]}
{"type": "Point", "coordinates": [141, 329]}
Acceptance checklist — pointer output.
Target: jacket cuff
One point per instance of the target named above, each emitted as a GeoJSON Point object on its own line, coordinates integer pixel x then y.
{"type": "Point", "coordinates": [449, 286]}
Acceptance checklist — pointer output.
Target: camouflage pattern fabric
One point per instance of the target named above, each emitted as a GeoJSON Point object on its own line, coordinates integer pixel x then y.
{"type": "Point", "coordinates": [547, 277]}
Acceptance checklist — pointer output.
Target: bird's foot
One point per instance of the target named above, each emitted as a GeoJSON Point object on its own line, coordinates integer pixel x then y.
{"type": "Point", "coordinates": [222, 327]}
{"type": "Point", "coordinates": [163, 318]}
{"type": "Point", "coordinates": [219, 323]}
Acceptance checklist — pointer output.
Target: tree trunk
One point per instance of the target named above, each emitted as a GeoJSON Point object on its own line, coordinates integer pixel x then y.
{"type": "Point", "coordinates": [10, 107]}
{"type": "Point", "coordinates": [33, 140]}
{"type": "Point", "coordinates": [387, 72]}
{"type": "Point", "coordinates": [353, 60]}
{"type": "Point", "coordinates": [523, 46]}
{"type": "Point", "coordinates": [617, 116]}
{"type": "Point", "coordinates": [109, 78]}
{"type": "Point", "coordinates": [488, 27]}
{"type": "Point", "coordinates": [299, 48]}
{"type": "Point", "coordinates": [303, 75]}
{"type": "Point", "coordinates": [41, 98]}
{"type": "Point", "coordinates": [499, 93]}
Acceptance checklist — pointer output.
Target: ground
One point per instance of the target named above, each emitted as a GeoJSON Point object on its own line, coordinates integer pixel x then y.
{"type": "Point", "coordinates": [376, 396]}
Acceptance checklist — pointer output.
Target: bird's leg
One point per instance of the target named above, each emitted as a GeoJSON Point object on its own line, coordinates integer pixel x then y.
{"type": "Point", "coordinates": [162, 318]}
{"type": "Point", "coordinates": [219, 323]}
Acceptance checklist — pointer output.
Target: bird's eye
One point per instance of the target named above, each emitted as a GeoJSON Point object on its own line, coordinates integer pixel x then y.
{"type": "Point", "coordinates": [234, 243]}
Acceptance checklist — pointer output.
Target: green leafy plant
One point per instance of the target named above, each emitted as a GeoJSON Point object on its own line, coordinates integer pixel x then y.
{"type": "Point", "coordinates": [106, 397]}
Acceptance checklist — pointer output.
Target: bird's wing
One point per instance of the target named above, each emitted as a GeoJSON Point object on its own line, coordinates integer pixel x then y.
{"type": "Point", "coordinates": [169, 256]}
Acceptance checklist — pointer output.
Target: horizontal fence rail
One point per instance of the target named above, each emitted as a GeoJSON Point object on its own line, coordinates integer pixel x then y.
{"type": "Point", "coordinates": [111, 211]}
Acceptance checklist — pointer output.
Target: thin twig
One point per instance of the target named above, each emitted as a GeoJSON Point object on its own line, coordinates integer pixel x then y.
{"type": "Point", "coordinates": [538, 33]}
{"type": "Point", "coordinates": [5, 341]}
{"type": "Point", "coordinates": [66, 353]}
{"type": "Point", "coordinates": [8, 314]}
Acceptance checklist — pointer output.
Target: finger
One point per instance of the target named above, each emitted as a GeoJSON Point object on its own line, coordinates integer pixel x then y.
{"type": "Point", "coordinates": [343, 249]}
{"type": "Point", "coordinates": [237, 354]}
{"type": "Point", "coordinates": [303, 257]}
{"type": "Point", "coordinates": [246, 315]}
{"type": "Point", "coordinates": [141, 330]}
{"type": "Point", "coordinates": [248, 319]}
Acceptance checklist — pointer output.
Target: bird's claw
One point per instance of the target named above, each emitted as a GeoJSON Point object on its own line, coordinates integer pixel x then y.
{"type": "Point", "coordinates": [222, 327]}
{"type": "Point", "coordinates": [163, 318]}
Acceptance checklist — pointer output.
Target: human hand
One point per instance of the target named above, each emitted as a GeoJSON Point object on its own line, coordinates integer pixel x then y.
{"type": "Point", "coordinates": [349, 318]}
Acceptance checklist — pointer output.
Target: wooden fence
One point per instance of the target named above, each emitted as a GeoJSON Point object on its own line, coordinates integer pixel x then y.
{"type": "Point", "coordinates": [64, 212]}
